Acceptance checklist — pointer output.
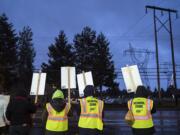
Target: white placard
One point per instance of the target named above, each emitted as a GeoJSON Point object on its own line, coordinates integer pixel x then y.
{"type": "Point", "coordinates": [81, 82]}
{"type": "Point", "coordinates": [38, 83]}
{"type": "Point", "coordinates": [4, 100]}
{"type": "Point", "coordinates": [131, 77]}
{"type": "Point", "coordinates": [64, 77]}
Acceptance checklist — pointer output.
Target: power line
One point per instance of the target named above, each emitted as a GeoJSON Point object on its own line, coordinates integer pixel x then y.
{"type": "Point", "coordinates": [133, 26]}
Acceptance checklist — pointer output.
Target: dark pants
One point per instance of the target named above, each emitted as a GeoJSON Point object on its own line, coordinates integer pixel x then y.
{"type": "Point", "coordinates": [2, 130]}
{"type": "Point", "coordinates": [55, 133]}
{"type": "Point", "coordinates": [19, 130]}
{"type": "Point", "coordinates": [85, 131]}
{"type": "Point", "coordinates": [147, 131]}
{"type": "Point", "coordinates": [143, 134]}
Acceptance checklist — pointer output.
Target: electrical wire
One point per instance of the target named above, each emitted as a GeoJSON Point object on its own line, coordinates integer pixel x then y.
{"type": "Point", "coordinates": [133, 26]}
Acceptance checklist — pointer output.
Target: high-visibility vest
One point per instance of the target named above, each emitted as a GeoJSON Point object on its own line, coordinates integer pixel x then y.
{"type": "Point", "coordinates": [141, 108]}
{"type": "Point", "coordinates": [57, 121]}
{"type": "Point", "coordinates": [91, 113]}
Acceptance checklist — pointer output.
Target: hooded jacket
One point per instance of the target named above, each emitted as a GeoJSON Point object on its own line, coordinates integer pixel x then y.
{"type": "Point", "coordinates": [58, 103]}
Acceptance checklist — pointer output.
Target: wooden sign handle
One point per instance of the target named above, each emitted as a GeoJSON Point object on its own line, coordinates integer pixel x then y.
{"type": "Point", "coordinates": [69, 84]}
{"type": "Point", "coordinates": [84, 78]}
{"type": "Point", "coordinates": [38, 87]}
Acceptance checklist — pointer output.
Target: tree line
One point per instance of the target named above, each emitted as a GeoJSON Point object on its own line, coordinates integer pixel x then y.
{"type": "Point", "coordinates": [16, 55]}
{"type": "Point", "coordinates": [89, 51]}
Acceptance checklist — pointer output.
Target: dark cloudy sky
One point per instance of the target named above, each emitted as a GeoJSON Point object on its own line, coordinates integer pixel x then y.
{"type": "Point", "coordinates": [122, 21]}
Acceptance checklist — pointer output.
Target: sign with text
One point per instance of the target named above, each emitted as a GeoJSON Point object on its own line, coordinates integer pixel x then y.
{"type": "Point", "coordinates": [68, 78]}
{"type": "Point", "coordinates": [131, 78]}
{"type": "Point", "coordinates": [84, 79]}
{"type": "Point", "coordinates": [38, 84]}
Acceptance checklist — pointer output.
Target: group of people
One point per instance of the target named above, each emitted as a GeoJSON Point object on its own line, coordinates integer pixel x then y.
{"type": "Point", "coordinates": [90, 122]}
{"type": "Point", "coordinates": [91, 114]}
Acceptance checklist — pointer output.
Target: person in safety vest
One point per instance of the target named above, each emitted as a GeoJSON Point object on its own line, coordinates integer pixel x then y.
{"type": "Point", "coordinates": [142, 108]}
{"type": "Point", "coordinates": [55, 115]}
{"type": "Point", "coordinates": [90, 120]}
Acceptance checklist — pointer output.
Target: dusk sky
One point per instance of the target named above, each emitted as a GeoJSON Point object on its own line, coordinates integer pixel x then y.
{"type": "Point", "coordinates": [122, 22]}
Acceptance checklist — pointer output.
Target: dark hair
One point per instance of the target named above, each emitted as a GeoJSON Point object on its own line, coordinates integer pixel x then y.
{"type": "Point", "coordinates": [89, 90]}
{"type": "Point", "coordinates": [141, 91]}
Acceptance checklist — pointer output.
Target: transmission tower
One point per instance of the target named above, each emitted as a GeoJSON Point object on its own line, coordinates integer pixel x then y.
{"type": "Point", "coordinates": [140, 57]}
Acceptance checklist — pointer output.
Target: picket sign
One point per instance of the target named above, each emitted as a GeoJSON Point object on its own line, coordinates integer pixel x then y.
{"type": "Point", "coordinates": [68, 79]}
{"type": "Point", "coordinates": [38, 84]}
{"type": "Point", "coordinates": [131, 78]}
{"type": "Point", "coordinates": [84, 78]}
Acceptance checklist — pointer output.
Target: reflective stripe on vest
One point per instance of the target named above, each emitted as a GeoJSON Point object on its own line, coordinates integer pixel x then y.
{"type": "Point", "coordinates": [142, 117]}
{"type": "Point", "coordinates": [90, 115]}
{"type": "Point", "coordinates": [91, 118]}
{"type": "Point", "coordinates": [57, 121]}
{"type": "Point", "coordinates": [57, 118]}
{"type": "Point", "coordinates": [100, 108]}
{"type": "Point", "coordinates": [83, 105]}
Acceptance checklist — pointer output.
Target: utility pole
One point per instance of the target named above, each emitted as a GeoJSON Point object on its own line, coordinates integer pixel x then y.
{"type": "Point", "coordinates": [169, 30]}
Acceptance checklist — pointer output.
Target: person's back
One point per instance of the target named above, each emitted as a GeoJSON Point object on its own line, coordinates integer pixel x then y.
{"type": "Point", "coordinates": [19, 112]}
{"type": "Point", "coordinates": [90, 121]}
{"type": "Point", "coordinates": [55, 115]}
{"type": "Point", "coordinates": [142, 107]}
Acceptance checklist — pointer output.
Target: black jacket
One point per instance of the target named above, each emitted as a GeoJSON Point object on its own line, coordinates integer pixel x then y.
{"type": "Point", "coordinates": [19, 111]}
{"type": "Point", "coordinates": [142, 92]}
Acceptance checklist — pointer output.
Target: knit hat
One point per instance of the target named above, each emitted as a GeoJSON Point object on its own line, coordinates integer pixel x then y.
{"type": "Point", "coordinates": [58, 94]}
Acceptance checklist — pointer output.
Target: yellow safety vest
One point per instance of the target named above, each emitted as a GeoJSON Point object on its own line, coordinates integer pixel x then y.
{"type": "Point", "coordinates": [57, 121]}
{"type": "Point", "coordinates": [141, 108]}
{"type": "Point", "coordinates": [91, 113]}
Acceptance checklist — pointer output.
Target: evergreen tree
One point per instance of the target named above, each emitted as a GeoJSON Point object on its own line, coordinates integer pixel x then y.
{"type": "Point", "coordinates": [84, 45]}
{"type": "Point", "coordinates": [92, 54]}
{"type": "Point", "coordinates": [26, 57]}
{"type": "Point", "coordinates": [103, 64]}
{"type": "Point", "coordinates": [60, 54]}
{"type": "Point", "coordinates": [8, 54]}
